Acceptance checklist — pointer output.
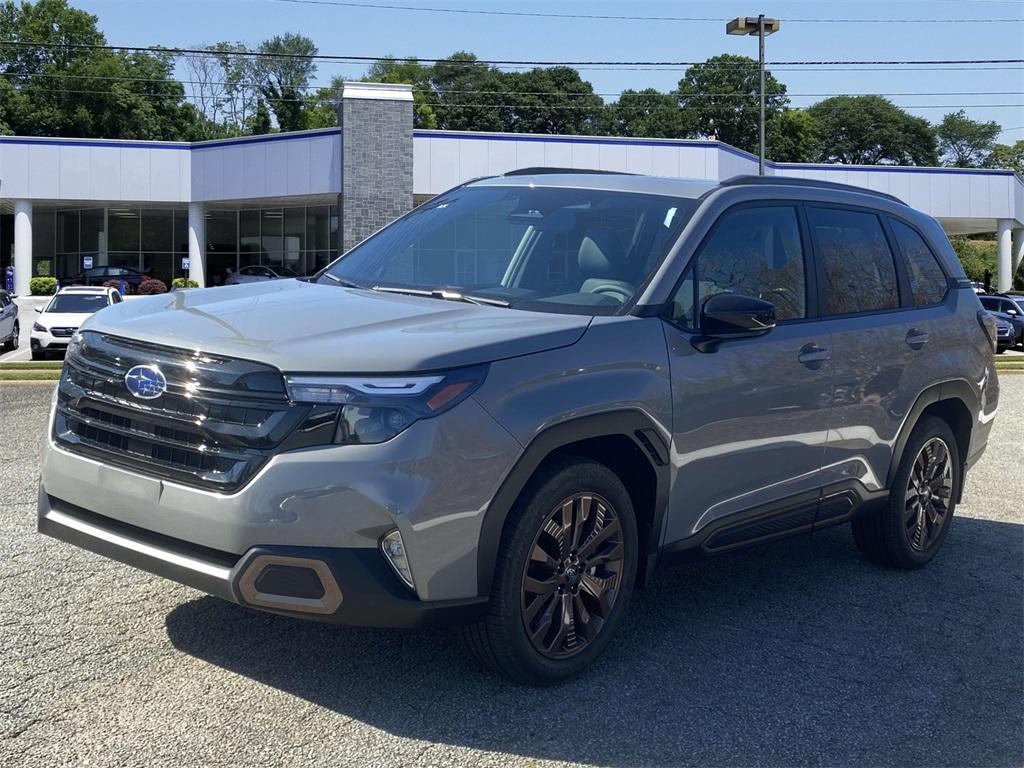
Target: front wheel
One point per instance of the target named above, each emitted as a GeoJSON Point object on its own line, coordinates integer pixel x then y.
{"type": "Point", "coordinates": [910, 531]}
{"type": "Point", "coordinates": [563, 577]}
{"type": "Point", "coordinates": [39, 354]}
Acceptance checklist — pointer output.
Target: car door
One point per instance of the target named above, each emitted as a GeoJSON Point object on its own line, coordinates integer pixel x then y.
{"type": "Point", "coordinates": [8, 312]}
{"type": "Point", "coordinates": [749, 415]}
{"type": "Point", "coordinates": [880, 342]}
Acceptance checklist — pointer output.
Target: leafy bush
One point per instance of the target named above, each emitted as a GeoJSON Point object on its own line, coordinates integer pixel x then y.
{"type": "Point", "coordinates": [181, 282]}
{"type": "Point", "coordinates": [977, 257]}
{"type": "Point", "coordinates": [43, 286]}
{"type": "Point", "coordinates": [151, 286]}
{"type": "Point", "coordinates": [117, 284]}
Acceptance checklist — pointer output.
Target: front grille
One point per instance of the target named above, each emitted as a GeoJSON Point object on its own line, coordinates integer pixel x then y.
{"type": "Point", "coordinates": [215, 426]}
{"type": "Point", "coordinates": [63, 332]}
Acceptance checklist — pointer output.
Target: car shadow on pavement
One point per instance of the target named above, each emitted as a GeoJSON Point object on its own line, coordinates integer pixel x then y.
{"type": "Point", "coordinates": [796, 653]}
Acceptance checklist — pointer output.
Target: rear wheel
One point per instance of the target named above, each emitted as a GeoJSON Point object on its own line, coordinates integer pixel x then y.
{"type": "Point", "coordinates": [910, 531]}
{"type": "Point", "coordinates": [12, 343]}
{"type": "Point", "coordinates": [563, 577]}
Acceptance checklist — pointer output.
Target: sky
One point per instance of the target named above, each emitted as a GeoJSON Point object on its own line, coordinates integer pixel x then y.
{"type": "Point", "coordinates": [985, 93]}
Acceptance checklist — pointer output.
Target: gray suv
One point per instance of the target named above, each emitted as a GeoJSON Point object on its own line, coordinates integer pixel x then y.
{"type": "Point", "coordinates": [501, 410]}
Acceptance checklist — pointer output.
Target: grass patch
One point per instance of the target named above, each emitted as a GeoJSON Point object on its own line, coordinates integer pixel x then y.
{"type": "Point", "coordinates": [35, 365]}
{"type": "Point", "coordinates": [36, 375]}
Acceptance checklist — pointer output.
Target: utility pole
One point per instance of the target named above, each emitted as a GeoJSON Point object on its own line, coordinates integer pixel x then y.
{"type": "Point", "coordinates": [762, 27]}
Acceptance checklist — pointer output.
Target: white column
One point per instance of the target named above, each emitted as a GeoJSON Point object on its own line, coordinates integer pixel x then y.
{"type": "Point", "coordinates": [197, 243]}
{"type": "Point", "coordinates": [1005, 279]}
{"type": "Point", "coordinates": [1017, 249]}
{"type": "Point", "coordinates": [22, 246]}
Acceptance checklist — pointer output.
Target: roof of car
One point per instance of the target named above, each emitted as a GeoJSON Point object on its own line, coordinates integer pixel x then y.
{"type": "Point", "coordinates": [85, 289]}
{"type": "Point", "coordinates": [657, 185]}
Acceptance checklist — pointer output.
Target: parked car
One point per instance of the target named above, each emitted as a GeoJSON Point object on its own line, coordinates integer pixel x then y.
{"type": "Point", "coordinates": [100, 275]}
{"type": "Point", "coordinates": [258, 274]}
{"type": "Point", "coordinates": [1010, 309]}
{"type": "Point", "coordinates": [1006, 334]}
{"type": "Point", "coordinates": [10, 329]}
{"type": "Point", "coordinates": [60, 319]}
{"type": "Point", "coordinates": [508, 436]}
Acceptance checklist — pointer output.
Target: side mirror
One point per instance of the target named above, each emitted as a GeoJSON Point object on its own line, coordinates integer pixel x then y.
{"type": "Point", "coordinates": [733, 316]}
{"type": "Point", "coordinates": [39, 310]}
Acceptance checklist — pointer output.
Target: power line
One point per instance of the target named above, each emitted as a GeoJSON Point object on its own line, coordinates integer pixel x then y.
{"type": "Point", "coordinates": [569, 94]}
{"type": "Point", "coordinates": [493, 105]}
{"type": "Point", "coordinates": [610, 17]}
{"type": "Point", "coordinates": [539, 63]}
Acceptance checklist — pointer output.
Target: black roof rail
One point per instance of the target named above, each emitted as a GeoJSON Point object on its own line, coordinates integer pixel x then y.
{"type": "Point", "coordinates": [541, 170]}
{"type": "Point", "coordinates": [792, 181]}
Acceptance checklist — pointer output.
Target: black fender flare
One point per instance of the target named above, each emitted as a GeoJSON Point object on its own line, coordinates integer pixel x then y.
{"type": "Point", "coordinates": [631, 423]}
{"type": "Point", "coordinates": [954, 389]}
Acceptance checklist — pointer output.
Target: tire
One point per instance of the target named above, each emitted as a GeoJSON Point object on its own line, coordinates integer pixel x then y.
{"type": "Point", "coordinates": [911, 529]}
{"type": "Point", "coordinates": [39, 354]}
{"type": "Point", "coordinates": [501, 641]}
{"type": "Point", "coordinates": [12, 342]}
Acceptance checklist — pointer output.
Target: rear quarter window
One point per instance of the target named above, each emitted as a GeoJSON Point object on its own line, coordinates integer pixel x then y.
{"type": "Point", "coordinates": [928, 283]}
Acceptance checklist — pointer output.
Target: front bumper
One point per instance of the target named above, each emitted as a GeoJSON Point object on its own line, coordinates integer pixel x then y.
{"type": "Point", "coordinates": [358, 587]}
{"type": "Point", "coordinates": [41, 340]}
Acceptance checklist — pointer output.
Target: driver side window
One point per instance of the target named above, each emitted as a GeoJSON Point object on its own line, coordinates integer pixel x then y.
{"type": "Point", "coordinates": [752, 252]}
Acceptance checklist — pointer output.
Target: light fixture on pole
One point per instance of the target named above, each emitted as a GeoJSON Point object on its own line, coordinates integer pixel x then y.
{"type": "Point", "coordinates": [762, 27]}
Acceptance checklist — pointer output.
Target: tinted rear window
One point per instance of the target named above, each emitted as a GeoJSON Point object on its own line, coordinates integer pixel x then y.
{"type": "Point", "coordinates": [927, 280]}
{"type": "Point", "coordinates": [859, 272]}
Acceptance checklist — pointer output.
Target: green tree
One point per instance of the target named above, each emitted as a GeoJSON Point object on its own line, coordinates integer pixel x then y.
{"type": "Point", "coordinates": [410, 71]}
{"type": "Point", "coordinates": [648, 113]}
{"type": "Point", "coordinates": [259, 121]}
{"type": "Point", "coordinates": [66, 90]}
{"type": "Point", "coordinates": [553, 100]}
{"type": "Point", "coordinates": [794, 136]}
{"type": "Point", "coordinates": [1007, 156]}
{"type": "Point", "coordinates": [963, 142]}
{"type": "Point", "coordinates": [284, 71]}
{"type": "Point", "coordinates": [721, 97]}
{"type": "Point", "coordinates": [470, 96]}
{"type": "Point", "coordinates": [872, 130]}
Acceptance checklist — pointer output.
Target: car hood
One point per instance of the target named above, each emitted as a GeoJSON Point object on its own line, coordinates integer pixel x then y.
{"type": "Point", "coordinates": [62, 319]}
{"type": "Point", "coordinates": [306, 327]}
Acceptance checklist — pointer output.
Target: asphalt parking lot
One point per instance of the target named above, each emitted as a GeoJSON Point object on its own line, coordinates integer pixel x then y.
{"type": "Point", "coordinates": [799, 653]}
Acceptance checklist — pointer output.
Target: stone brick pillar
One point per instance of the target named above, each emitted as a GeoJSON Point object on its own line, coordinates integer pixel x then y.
{"type": "Point", "coordinates": [376, 158]}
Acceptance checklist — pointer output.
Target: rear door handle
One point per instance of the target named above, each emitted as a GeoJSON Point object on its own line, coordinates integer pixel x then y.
{"type": "Point", "coordinates": [917, 338]}
{"type": "Point", "coordinates": [813, 356]}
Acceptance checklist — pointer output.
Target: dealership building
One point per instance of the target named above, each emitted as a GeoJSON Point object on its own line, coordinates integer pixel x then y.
{"type": "Point", "coordinates": [295, 200]}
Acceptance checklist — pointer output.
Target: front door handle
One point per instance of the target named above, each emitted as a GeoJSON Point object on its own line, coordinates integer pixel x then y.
{"type": "Point", "coordinates": [916, 338]}
{"type": "Point", "coordinates": [813, 356]}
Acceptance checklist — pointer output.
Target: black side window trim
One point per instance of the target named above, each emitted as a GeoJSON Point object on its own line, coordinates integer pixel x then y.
{"type": "Point", "coordinates": [902, 281]}
{"type": "Point", "coordinates": [904, 261]}
{"type": "Point", "coordinates": [810, 272]}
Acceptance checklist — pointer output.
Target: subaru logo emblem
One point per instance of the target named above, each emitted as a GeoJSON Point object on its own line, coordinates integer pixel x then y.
{"type": "Point", "coordinates": [145, 382]}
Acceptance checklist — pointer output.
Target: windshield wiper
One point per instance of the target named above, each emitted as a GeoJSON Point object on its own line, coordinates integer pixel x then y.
{"type": "Point", "coordinates": [443, 293]}
{"type": "Point", "coordinates": [339, 281]}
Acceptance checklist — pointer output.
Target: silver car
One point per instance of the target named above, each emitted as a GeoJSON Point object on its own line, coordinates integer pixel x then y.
{"type": "Point", "coordinates": [504, 409]}
{"type": "Point", "coordinates": [258, 274]}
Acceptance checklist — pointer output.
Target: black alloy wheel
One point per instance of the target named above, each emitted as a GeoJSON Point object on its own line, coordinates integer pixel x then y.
{"type": "Point", "coordinates": [571, 579]}
{"type": "Point", "coordinates": [929, 491]}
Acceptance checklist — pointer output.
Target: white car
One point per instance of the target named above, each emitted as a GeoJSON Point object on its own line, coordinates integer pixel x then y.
{"type": "Point", "coordinates": [59, 320]}
{"type": "Point", "coordinates": [258, 274]}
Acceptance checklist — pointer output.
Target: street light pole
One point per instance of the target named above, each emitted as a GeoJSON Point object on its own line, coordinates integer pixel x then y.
{"type": "Point", "coordinates": [762, 27]}
{"type": "Point", "coordinates": [760, 69]}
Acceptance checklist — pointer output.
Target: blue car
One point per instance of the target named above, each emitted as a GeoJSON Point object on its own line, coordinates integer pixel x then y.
{"type": "Point", "coordinates": [1009, 308]}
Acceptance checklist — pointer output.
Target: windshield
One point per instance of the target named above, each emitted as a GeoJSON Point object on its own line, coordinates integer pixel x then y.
{"type": "Point", "coordinates": [77, 303]}
{"type": "Point", "coordinates": [542, 248]}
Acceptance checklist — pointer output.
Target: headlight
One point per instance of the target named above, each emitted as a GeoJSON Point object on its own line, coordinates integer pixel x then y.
{"type": "Point", "coordinates": [376, 408]}
{"type": "Point", "coordinates": [40, 328]}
